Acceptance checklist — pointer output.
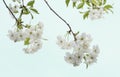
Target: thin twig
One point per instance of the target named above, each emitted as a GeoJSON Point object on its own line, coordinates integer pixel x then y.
{"type": "Point", "coordinates": [70, 31]}
{"type": "Point", "coordinates": [21, 13]}
{"type": "Point", "coordinates": [10, 10]}
{"type": "Point", "coordinates": [22, 9]}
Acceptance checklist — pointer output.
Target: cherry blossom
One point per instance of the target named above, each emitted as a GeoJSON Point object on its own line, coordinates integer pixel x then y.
{"type": "Point", "coordinates": [31, 36]}
{"type": "Point", "coordinates": [81, 50]}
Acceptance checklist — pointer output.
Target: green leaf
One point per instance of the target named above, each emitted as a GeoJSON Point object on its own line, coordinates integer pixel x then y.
{"type": "Point", "coordinates": [31, 15]}
{"type": "Point", "coordinates": [34, 10]}
{"type": "Point", "coordinates": [74, 4]}
{"type": "Point", "coordinates": [83, 1]}
{"type": "Point", "coordinates": [104, 2]}
{"type": "Point", "coordinates": [88, 3]}
{"type": "Point", "coordinates": [31, 3]}
{"type": "Point", "coordinates": [25, 10]}
{"type": "Point", "coordinates": [95, 2]}
{"type": "Point", "coordinates": [86, 14]}
{"type": "Point", "coordinates": [80, 6]}
{"type": "Point", "coordinates": [67, 2]}
{"type": "Point", "coordinates": [26, 41]}
{"type": "Point", "coordinates": [107, 7]}
{"type": "Point", "coordinates": [100, 2]}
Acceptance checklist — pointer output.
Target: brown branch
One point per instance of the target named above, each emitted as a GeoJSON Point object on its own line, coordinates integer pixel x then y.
{"type": "Point", "coordinates": [10, 10]}
{"type": "Point", "coordinates": [19, 23]}
{"type": "Point", "coordinates": [70, 31]}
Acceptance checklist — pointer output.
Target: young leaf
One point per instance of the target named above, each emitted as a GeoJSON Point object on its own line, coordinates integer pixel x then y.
{"type": "Point", "coordinates": [104, 2]}
{"type": "Point", "coordinates": [26, 42]}
{"type": "Point", "coordinates": [31, 3]}
{"type": "Point", "coordinates": [74, 4]}
{"type": "Point", "coordinates": [34, 10]}
{"type": "Point", "coordinates": [25, 10]}
{"type": "Point", "coordinates": [31, 15]}
{"type": "Point", "coordinates": [86, 14]}
{"type": "Point", "coordinates": [107, 7]}
{"type": "Point", "coordinates": [88, 3]}
{"type": "Point", "coordinates": [83, 1]}
{"type": "Point", "coordinates": [67, 2]}
{"type": "Point", "coordinates": [100, 2]}
{"type": "Point", "coordinates": [80, 5]}
{"type": "Point", "coordinates": [94, 2]}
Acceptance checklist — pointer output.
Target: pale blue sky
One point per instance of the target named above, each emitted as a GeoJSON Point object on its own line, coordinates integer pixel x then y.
{"type": "Point", "coordinates": [49, 61]}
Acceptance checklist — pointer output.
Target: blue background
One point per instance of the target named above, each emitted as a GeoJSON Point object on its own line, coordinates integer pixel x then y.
{"type": "Point", "coordinates": [49, 61]}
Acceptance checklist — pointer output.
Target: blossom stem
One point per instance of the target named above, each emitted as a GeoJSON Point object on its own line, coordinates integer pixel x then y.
{"type": "Point", "coordinates": [22, 9]}
{"type": "Point", "coordinates": [10, 10]}
{"type": "Point", "coordinates": [70, 29]}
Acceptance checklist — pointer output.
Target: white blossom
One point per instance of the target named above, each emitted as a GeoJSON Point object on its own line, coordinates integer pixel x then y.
{"type": "Point", "coordinates": [38, 33]}
{"type": "Point", "coordinates": [33, 47]}
{"type": "Point", "coordinates": [84, 38]}
{"type": "Point", "coordinates": [85, 45]}
{"type": "Point", "coordinates": [90, 58]}
{"type": "Point", "coordinates": [81, 49]}
{"type": "Point", "coordinates": [40, 26]}
{"type": "Point", "coordinates": [96, 49]}
{"type": "Point", "coordinates": [61, 42]}
{"type": "Point", "coordinates": [68, 45]}
{"type": "Point", "coordinates": [96, 13]}
{"type": "Point", "coordinates": [101, 12]}
{"type": "Point", "coordinates": [78, 58]}
{"type": "Point", "coordinates": [69, 58]}
{"type": "Point", "coordinates": [20, 35]}
{"type": "Point", "coordinates": [12, 35]}
{"type": "Point", "coordinates": [78, 48]}
{"type": "Point", "coordinates": [75, 58]}
{"type": "Point", "coordinates": [30, 36]}
{"type": "Point", "coordinates": [29, 32]}
{"type": "Point", "coordinates": [14, 9]}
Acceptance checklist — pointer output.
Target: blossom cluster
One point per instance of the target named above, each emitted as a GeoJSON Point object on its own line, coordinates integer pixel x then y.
{"type": "Point", "coordinates": [81, 50]}
{"type": "Point", "coordinates": [96, 13]}
{"type": "Point", "coordinates": [14, 8]}
{"type": "Point", "coordinates": [94, 8]}
{"type": "Point", "coordinates": [31, 35]}
{"type": "Point", "coordinates": [21, 7]}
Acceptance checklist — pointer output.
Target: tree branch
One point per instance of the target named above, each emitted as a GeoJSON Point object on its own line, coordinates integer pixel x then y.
{"type": "Point", "coordinates": [10, 10]}
{"type": "Point", "coordinates": [70, 31]}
